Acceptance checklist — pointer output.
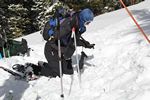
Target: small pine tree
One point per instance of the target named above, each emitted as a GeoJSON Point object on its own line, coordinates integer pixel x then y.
{"type": "Point", "coordinates": [17, 21]}
{"type": "Point", "coordinates": [46, 10]}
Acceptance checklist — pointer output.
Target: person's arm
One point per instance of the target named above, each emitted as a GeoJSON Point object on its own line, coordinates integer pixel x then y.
{"type": "Point", "coordinates": [82, 42]}
{"type": "Point", "coordinates": [82, 30]}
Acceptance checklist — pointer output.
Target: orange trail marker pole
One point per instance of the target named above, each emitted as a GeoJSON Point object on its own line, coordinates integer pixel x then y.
{"type": "Point", "coordinates": [130, 14]}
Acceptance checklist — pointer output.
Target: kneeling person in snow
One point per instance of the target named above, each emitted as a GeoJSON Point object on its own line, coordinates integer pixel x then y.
{"type": "Point", "coordinates": [77, 21]}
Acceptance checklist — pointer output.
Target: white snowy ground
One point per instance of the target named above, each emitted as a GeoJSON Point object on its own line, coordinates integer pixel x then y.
{"type": "Point", "coordinates": [117, 69]}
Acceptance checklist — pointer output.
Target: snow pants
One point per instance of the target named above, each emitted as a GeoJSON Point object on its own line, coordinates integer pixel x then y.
{"type": "Point", "coordinates": [52, 67]}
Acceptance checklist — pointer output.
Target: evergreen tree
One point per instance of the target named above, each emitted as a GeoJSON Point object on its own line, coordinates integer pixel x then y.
{"type": "Point", "coordinates": [40, 8]}
{"type": "Point", "coordinates": [21, 17]}
{"type": "Point", "coordinates": [17, 19]}
{"type": "Point", "coordinates": [46, 9]}
{"type": "Point", "coordinates": [4, 29]}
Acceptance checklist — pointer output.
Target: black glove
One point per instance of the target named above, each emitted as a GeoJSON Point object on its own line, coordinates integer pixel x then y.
{"type": "Point", "coordinates": [88, 45]}
{"type": "Point", "coordinates": [85, 43]}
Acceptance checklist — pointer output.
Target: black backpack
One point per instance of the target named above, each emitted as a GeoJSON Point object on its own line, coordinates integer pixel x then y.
{"type": "Point", "coordinates": [64, 28]}
{"type": "Point", "coordinates": [18, 47]}
{"type": "Point", "coordinates": [60, 16]}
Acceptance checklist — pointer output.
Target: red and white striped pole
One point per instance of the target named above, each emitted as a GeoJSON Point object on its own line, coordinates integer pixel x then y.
{"type": "Point", "coordinates": [77, 58]}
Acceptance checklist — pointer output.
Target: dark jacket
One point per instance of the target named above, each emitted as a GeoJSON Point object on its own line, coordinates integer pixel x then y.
{"type": "Point", "coordinates": [65, 32]}
{"type": "Point", "coordinates": [51, 50]}
{"type": "Point", "coordinates": [67, 47]}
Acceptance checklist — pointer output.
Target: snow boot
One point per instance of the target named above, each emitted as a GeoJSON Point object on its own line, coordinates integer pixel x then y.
{"type": "Point", "coordinates": [19, 68]}
{"type": "Point", "coordinates": [41, 63]}
{"type": "Point", "coordinates": [81, 61]}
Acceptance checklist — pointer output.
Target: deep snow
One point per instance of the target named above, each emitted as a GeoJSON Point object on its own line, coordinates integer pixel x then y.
{"type": "Point", "coordinates": [117, 69]}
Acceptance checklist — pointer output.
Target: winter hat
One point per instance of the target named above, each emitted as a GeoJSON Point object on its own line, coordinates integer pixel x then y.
{"type": "Point", "coordinates": [86, 15]}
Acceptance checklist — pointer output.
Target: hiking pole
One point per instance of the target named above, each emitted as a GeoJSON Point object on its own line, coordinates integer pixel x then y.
{"type": "Point", "coordinates": [77, 58]}
{"type": "Point", "coordinates": [5, 43]}
{"type": "Point", "coordinates": [59, 55]}
{"type": "Point", "coordinates": [60, 68]}
{"type": "Point", "coordinates": [72, 79]}
{"type": "Point", "coordinates": [4, 52]}
{"type": "Point", "coordinates": [8, 50]}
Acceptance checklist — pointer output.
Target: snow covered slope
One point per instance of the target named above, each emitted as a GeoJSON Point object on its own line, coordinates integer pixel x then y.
{"type": "Point", "coordinates": [117, 69]}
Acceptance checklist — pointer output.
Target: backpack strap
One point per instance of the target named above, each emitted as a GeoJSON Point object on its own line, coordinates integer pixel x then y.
{"type": "Point", "coordinates": [76, 20]}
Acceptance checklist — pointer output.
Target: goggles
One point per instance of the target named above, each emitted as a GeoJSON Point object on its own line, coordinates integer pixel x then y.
{"type": "Point", "coordinates": [87, 22]}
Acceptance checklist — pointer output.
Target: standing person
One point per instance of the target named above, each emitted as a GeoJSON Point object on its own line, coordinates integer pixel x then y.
{"type": "Point", "coordinates": [2, 43]}
{"type": "Point", "coordinates": [78, 21]}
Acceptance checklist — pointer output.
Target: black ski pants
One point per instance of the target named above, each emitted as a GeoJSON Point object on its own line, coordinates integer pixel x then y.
{"type": "Point", "coordinates": [52, 67]}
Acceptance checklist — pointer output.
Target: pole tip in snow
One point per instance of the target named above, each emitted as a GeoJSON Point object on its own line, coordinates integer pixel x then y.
{"type": "Point", "coordinates": [62, 95]}
{"type": "Point", "coordinates": [10, 91]}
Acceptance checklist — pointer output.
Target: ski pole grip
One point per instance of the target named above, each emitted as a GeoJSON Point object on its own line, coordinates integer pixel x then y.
{"type": "Point", "coordinates": [73, 29]}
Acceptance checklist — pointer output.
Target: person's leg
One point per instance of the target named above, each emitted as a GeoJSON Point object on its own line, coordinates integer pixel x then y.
{"type": "Point", "coordinates": [67, 67]}
{"type": "Point", "coordinates": [52, 67]}
{"type": "Point", "coordinates": [53, 62]}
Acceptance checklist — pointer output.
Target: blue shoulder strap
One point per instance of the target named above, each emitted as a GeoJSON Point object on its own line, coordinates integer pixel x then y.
{"type": "Point", "coordinates": [52, 22]}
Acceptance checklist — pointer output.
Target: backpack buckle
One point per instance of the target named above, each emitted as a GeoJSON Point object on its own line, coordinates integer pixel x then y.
{"type": "Point", "coordinates": [50, 38]}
